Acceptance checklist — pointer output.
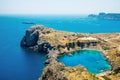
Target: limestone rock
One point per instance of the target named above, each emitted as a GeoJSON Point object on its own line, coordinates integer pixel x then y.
{"type": "Point", "coordinates": [44, 46]}
{"type": "Point", "coordinates": [30, 39]}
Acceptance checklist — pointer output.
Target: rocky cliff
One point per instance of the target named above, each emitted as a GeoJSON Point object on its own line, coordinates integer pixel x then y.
{"type": "Point", "coordinates": [54, 43]}
{"type": "Point", "coordinates": [44, 39]}
{"type": "Point", "coordinates": [31, 37]}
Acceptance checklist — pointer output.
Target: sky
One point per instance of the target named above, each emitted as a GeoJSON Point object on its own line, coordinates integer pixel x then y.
{"type": "Point", "coordinates": [59, 6]}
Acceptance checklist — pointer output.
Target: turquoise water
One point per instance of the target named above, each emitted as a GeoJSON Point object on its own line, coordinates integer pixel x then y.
{"type": "Point", "coordinates": [93, 60]}
{"type": "Point", "coordinates": [19, 64]}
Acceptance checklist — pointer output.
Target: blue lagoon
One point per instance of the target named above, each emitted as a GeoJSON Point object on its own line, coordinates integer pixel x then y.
{"type": "Point", "coordinates": [93, 60]}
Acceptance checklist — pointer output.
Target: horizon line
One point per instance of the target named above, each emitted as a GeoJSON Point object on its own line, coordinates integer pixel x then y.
{"type": "Point", "coordinates": [56, 14]}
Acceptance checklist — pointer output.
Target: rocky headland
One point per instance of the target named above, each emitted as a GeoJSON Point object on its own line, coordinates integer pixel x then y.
{"type": "Point", "coordinates": [54, 43]}
{"type": "Point", "coordinates": [106, 16]}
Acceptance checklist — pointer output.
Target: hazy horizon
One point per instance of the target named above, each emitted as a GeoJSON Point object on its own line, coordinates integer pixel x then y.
{"type": "Point", "coordinates": [56, 7]}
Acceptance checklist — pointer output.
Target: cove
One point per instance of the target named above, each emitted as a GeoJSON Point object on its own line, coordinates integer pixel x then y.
{"type": "Point", "coordinates": [93, 60]}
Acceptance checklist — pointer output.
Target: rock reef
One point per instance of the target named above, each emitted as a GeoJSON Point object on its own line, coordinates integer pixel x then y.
{"type": "Point", "coordinates": [54, 43]}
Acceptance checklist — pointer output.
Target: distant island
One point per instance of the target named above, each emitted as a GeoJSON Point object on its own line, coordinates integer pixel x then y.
{"type": "Point", "coordinates": [54, 43]}
{"type": "Point", "coordinates": [106, 16]}
{"type": "Point", "coordinates": [28, 23]}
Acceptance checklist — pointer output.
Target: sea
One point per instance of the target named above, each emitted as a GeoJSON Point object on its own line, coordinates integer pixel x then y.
{"type": "Point", "coordinates": [17, 63]}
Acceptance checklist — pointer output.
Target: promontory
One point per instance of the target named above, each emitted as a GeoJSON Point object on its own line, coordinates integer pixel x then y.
{"type": "Point", "coordinates": [54, 43]}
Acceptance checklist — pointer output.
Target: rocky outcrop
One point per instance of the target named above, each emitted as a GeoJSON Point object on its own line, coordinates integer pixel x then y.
{"type": "Point", "coordinates": [58, 71]}
{"type": "Point", "coordinates": [31, 37]}
{"type": "Point", "coordinates": [55, 42]}
{"type": "Point", "coordinates": [52, 72]}
{"type": "Point", "coordinates": [45, 39]}
{"type": "Point", "coordinates": [45, 46]}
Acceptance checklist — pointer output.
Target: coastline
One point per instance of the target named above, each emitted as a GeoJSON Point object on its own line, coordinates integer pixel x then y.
{"type": "Point", "coordinates": [40, 38]}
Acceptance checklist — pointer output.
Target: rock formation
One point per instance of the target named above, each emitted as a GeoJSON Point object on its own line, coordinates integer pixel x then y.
{"type": "Point", "coordinates": [54, 43]}
{"type": "Point", "coordinates": [31, 37]}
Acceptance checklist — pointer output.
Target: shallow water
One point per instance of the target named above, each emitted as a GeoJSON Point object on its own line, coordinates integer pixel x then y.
{"type": "Point", "coordinates": [93, 60]}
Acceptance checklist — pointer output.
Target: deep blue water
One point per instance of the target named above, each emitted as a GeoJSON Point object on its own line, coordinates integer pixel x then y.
{"type": "Point", "coordinates": [19, 64]}
{"type": "Point", "coordinates": [93, 60]}
{"type": "Point", "coordinates": [15, 62]}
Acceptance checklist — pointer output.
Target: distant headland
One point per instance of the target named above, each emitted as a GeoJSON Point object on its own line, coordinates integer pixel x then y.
{"type": "Point", "coordinates": [106, 16]}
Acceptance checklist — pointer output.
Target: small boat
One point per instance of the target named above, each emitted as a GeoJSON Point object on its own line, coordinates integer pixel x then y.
{"type": "Point", "coordinates": [28, 23]}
